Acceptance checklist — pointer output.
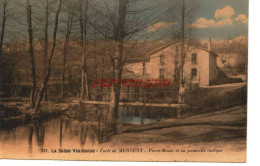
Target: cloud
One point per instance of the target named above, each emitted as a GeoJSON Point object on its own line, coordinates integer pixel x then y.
{"type": "Point", "coordinates": [226, 12]}
{"type": "Point", "coordinates": [223, 18]}
{"type": "Point", "coordinates": [225, 22]}
{"type": "Point", "coordinates": [204, 23]}
{"type": "Point", "coordinates": [242, 19]}
{"type": "Point", "coordinates": [159, 25]}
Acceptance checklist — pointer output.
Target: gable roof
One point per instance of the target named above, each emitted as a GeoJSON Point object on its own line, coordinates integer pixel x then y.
{"type": "Point", "coordinates": [174, 42]}
{"type": "Point", "coordinates": [162, 48]}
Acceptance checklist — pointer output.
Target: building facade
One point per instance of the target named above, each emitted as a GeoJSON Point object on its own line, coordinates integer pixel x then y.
{"type": "Point", "coordinates": [200, 64]}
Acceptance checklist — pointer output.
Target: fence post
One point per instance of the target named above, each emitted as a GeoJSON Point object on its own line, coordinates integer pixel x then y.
{"type": "Point", "coordinates": [179, 113]}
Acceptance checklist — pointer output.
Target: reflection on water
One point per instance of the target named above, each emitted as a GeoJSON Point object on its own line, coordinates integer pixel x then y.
{"type": "Point", "coordinates": [53, 133]}
{"type": "Point", "coordinates": [145, 115]}
{"type": "Point", "coordinates": [39, 131]}
{"type": "Point", "coordinates": [83, 135]}
{"type": "Point", "coordinates": [61, 123]}
{"type": "Point", "coordinates": [30, 136]}
{"type": "Point", "coordinates": [63, 132]}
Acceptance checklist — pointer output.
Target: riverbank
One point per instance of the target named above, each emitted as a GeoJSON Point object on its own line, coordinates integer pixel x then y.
{"type": "Point", "coordinates": [217, 134]}
{"type": "Point", "coordinates": [16, 111]}
{"type": "Point", "coordinates": [221, 128]}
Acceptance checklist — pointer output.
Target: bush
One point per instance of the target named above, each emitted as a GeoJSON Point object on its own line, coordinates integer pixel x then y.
{"type": "Point", "coordinates": [97, 119]}
{"type": "Point", "coordinates": [7, 112]}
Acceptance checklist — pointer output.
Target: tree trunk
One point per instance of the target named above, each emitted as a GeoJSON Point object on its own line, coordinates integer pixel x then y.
{"type": "Point", "coordinates": [85, 45]}
{"type": "Point", "coordinates": [88, 97]}
{"type": "Point", "coordinates": [182, 43]}
{"type": "Point", "coordinates": [82, 94]}
{"type": "Point", "coordinates": [63, 78]}
{"type": "Point", "coordinates": [182, 57]}
{"type": "Point", "coordinates": [117, 62]}
{"type": "Point", "coordinates": [3, 28]}
{"type": "Point", "coordinates": [45, 61]}
{"type": "Point", "coordinates": [46, 79]}
{"type": "Point", "coordinates": [95, 63]}
{"type": "Point", "coordinates": [82, 91]}
{"type": "Point", "coordinates": [83, 32]}
{"type": "Point", "coordinates": [66, 43]}
{"type": "Point", "coordinates": [114, 97]}
{"type": "Point", "coordinates": [31, 51]}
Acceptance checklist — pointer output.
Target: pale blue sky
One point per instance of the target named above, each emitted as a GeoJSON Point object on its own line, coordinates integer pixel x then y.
{"type": "Point", "coordinates": [207, 10]}
{"type": "Point", "coordinates": [233, 24]}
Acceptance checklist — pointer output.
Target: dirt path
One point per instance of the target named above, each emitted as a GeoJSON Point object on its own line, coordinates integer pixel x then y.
{"type": "Point", "coordinates": [240, 84]}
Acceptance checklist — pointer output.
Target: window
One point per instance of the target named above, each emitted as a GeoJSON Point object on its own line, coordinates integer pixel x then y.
{"type": "Point", "coordinates": [161, 73]}
{"type": "Point", "coordinates": [144, 69]}
{"type": "Point", "coordinates": [161, 59]}
{"type": "Point", "coordinates": [194, 72]}
{"type": "Point", "coordinates": [194, 58]}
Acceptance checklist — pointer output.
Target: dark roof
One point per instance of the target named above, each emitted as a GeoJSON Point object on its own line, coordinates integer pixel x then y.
{"type": "Point", "coordinates": [136, 60]}
{"type": "Point", "coordinates": [128, 74]}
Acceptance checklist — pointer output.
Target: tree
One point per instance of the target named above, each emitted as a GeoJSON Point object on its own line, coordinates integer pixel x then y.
{"type": "Point", "coordinates": [239, 45]}
{"type": "Point", "coordinates": [125, 19]}
{"type": "Point", "coordinates": [117, 60]}
{"type": "Point", "coordinates": [181, 14]}
{"type": "Point", "coordinates": [47, 76]}
{"type": "Point", "coordinates": [70, 19]}
{"type": "Point", "coordinates": [182, 43]}
{"type": "Point", "coordinates": [83, 20]}
{"type": "Point", "coordinates": [31, 52]}
{"type": "Point", "coordinates": [46, 47]}
{"type": "Point", "coordinates": [5, 3]}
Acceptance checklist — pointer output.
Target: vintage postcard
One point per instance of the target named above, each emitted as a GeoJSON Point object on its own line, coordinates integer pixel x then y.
{"type": "Point", "coordinates": [124, 80]}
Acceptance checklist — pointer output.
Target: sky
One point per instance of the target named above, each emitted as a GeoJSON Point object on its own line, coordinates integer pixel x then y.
{"type": "Point", "coordinates": [218, 19]}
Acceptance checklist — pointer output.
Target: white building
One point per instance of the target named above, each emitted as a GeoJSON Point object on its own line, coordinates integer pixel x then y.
{"type": "Point", "coordinates": [200, 65]}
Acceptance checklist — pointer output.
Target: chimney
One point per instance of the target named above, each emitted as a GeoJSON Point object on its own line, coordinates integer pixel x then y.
{"type": "Point", "coordinates": [209, 44]}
